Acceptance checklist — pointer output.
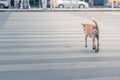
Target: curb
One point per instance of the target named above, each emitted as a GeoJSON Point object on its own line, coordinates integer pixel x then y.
{"type": "Point", "coordinates": [62, 10]}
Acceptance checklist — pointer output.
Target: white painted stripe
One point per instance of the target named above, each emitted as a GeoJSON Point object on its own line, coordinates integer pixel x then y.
{"type": "Point", "coordinates": [38, 30]}
{"type": "Point", "coordinates": [41, 35]}
{"type": "Point", "coordinates": [54, 27]}
{"type": "Point", "coordinates": [62, 32]}
{"type": "Point", "coordinates": [58, 66]}
{"type": "Point", "coordinates": [56, 56]}
{"type": "Point", "coordinates": [55, 35]}
{"type": "Point", "coordinates": [115, 13]}
{"type": "Point", "coordinates": [76, 45]}
{"type": "Point", "coordinates": [33, 49]}
{"type": "Point", "coordinates": [40, 39]}
{"type": "Point", "coordinates": [62, 49]}
{"type": "Point", "coordinates": [55, 39]}
{"type": "Point", "coordinates": [73, 45]}
{"type": "Point", "coordinates": [52, 30]}
{"type": "Point", "coordinates": [37, 40]}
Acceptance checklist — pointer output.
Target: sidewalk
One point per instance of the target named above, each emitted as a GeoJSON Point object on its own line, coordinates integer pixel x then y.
{"type": "Point", "coordinates": [58, 10]}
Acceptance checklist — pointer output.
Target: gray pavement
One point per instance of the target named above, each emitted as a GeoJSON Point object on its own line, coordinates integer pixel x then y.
{"type": "Point", "coordinates": [50, 46]}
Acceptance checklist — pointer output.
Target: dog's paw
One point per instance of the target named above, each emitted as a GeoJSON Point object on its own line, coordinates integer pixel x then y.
{"type": "Point", "coordinates": [85, 45]}
{"type": "Point", "coordinates": [97, 50]}
{"type": "Point", "coordinates": [93, 48]}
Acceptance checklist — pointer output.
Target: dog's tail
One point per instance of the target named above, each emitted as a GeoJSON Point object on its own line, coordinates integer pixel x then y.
{"type": "Point", "coordinates": [96, 24]}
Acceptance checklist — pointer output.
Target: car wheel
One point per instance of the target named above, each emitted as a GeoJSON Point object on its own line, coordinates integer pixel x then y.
{"type": "Point", "coordinates": [61, 6]}
{"type": "Point", "coordinates": [81, 6]}
{"type": "Point", "coordinates": [6, 7]}
{"type": "Point", "coordinates": [1, 6]}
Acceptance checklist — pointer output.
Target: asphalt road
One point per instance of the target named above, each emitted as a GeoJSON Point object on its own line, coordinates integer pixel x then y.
{"type": "Point", "coordinates": [50, 46]}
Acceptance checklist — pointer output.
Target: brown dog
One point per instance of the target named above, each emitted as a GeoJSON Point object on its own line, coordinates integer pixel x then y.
{"type": "Point", "coordinates": [92, 31]}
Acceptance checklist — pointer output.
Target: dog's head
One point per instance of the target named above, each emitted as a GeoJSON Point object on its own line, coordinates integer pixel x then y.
{"type": "Point", "coordinates": [83, 25]}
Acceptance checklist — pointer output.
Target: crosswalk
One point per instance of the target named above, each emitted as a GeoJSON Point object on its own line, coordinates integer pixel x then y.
{"type": "Point", "coordinates": [50, 45]}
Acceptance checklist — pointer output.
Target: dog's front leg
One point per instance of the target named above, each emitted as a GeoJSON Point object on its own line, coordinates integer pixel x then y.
{"type": "Point", "coordinates": [86, 41]}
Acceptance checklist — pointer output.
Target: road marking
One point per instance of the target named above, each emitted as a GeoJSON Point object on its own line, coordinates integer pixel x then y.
{"type": "Point", "coordinates": [115, 13]}
{"type": "Point", "coordinates": [59, 66]}
{"type": "Point", "coordinates": [56, 56]}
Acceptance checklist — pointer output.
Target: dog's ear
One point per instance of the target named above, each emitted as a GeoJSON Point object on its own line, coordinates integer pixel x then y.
{"type": "Point", "coordinates": [83, 24]}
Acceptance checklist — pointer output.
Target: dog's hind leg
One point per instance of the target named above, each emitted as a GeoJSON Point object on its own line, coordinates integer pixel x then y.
{"type": "Point", "coordinates": [97, 50]}
{"type": "Point", "coordinates": [98, 43]}
{"type": "Point", "coordinates": [93, 41]}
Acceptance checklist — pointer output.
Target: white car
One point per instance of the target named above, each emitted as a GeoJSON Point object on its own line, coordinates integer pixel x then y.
{"type": "Point", "coordinates": [4, 4]}
{"type": "Point", "coordinates": [71, 3]}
